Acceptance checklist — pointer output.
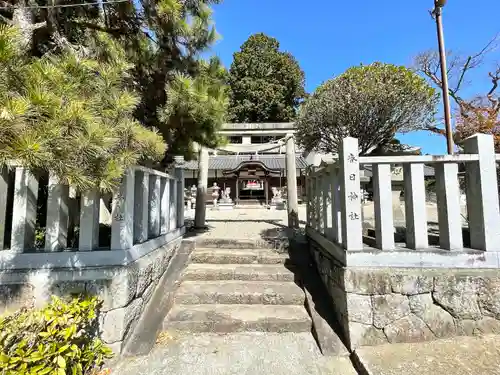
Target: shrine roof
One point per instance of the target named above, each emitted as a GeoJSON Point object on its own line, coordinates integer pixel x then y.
{"type": "Point", "coordinates": [227, 162]}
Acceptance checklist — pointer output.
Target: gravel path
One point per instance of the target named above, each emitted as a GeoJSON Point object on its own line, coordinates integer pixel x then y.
{"type": "Point", "coordinates": [238, 354]}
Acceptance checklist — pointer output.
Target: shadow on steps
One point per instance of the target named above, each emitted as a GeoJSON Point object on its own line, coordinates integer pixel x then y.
{"type": "Point", "coordinates": [319, 304]}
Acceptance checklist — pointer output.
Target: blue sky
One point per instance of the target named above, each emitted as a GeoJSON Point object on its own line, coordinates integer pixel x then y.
{"type": "Point", "coordinates": [329, 36]}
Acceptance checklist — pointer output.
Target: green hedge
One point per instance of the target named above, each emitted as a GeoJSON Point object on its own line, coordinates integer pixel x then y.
{"type": "Point", "coordinates": [62, 338]}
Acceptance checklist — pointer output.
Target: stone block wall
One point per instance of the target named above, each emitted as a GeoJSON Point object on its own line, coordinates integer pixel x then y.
{"type": "Point", "coordinates": [395, 305]}
{"type": "Point", "coordinates": [125, 290]}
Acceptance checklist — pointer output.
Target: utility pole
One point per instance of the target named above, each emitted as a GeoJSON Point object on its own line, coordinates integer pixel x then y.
{"type": "Point", "coordinates": [438, 16]}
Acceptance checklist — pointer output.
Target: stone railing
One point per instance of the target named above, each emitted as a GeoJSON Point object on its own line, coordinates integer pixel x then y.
{"type": "Point", "coordinates": [335, 209]}
{"type": "Point", "coordinates": [388, 291]}
{"type": "Point", "coordinates": [118, 254]}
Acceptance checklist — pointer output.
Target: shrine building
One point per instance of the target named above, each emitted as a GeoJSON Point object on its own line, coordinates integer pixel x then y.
{"type": "Point", "coordinates": [251, 163]}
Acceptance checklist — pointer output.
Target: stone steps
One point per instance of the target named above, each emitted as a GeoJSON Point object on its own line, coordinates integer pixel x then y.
{"type": "Point", "coordinates": [237, 318]}
{"type": "Point", "coordinates": [249, 272]}
{"type": "Point", "coordinates": [240, 292]}
{"type": "Point", "coordinates": [238, 289]}
{"type": "Point", "coordinates": [239, 256]}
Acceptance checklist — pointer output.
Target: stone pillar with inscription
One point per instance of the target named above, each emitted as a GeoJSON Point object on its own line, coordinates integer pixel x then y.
{"type": "Point", "coordinates": [352, 235]}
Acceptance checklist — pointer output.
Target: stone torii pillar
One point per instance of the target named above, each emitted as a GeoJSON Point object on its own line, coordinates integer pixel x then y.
{"type": "Point", "coordinates": [201, 194]}
{"type": "Point", "coordinates": [291, 183]}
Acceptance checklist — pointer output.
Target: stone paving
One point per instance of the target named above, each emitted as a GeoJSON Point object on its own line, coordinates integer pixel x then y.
{"type": "Point", "coordinates": [255, 223]}
{"type": "Point", "coordinates": [237, 354]}
{"type": "Point", "coordinates": [247, 223]}
{"type": "Point", "coordinates": [455, 356]}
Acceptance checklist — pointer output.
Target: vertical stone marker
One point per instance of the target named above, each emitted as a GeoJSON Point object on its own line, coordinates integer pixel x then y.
{"type": "Point", "coordinates": [482, 194]}
{"type": "Point", "coordinates": [4, 185]}
{"type": "Point", "coordinates": [336, 205]}
{"type": "Point", "coordinates": [327, 203]}
{"type": "Point", "coordinates": [89, 220]}
{"type": "Point", "coordinates": [173, 205]}
{"type": "Point", "coordinates": [416, 211]}
{"type": "Point", "coordinates": [24, 215]}
{"type": "Point", "coordinates": [291, 183]}
{"type": "Point", "coordinates": [313, 204]}
{"type": "Point", "coordinates": [122, 225]}
{"type": "Point", "coordinates": [319, 203]}
{"type": "Point", "coordinates": [154, 206]}
{"type": "Point", "coordinates": [308, 197]}
{"type": "Point", "coordinates": [141, 213]}
{"type": "Point", "coordinates": [352, 230]}
{"type": "Point", "coordinates": [179, 174]}
{"type": "Point", "coordinates": [165, 205]}
{"type": "Point", "coordinates": [56, 233]}
{"type": "Point", "coordinates": [448, 205]}
{"type": "Point", "coordinates": [201, 192]}
{"type": "Point", "coordinates": [382, 197]}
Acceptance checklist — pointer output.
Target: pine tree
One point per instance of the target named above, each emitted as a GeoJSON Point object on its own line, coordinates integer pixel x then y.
{"type": "Point", "coordinates": [71, 115]}
{"type": "Point", "coordinates": [162, 40]}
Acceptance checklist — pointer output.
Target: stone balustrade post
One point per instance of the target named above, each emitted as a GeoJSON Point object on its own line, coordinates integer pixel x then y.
{"type": "Point", "coordinates": [122, 224]}
{"type": "Point", "coordinates": [482, 193]}
{"type": "Point", "coordinates": [165, 205]}
{"type": "Point", "coordinates": [24, 212]}
{"type": "Point", "coordinates": [336, 205]}
{"type": "Point", "coordinates": [327, 203]}
{"type": "Point", "coordinates": [141, 209]}
{"type": "Point", "coordinates": [4, 190]}
{"type": "Point", "coordinates": [56, 232]}
{"type": "Point", "coordinates": [314, 204]}
{"type": "Point", "coordinates": [352, 230]}
{"type": "Point", "coordinates": [179, 174]}
{"type": "Point", "coordinates": [154, 206]}
{"type": "Point", "coordinates": [415, 206]}
{"type": "Point", "coordinates": [89, 220]}
{"type": "Point", "coordinates": [173, 204]}
{"type": "Point", "coordinates": [448, 205]}
{"type": "Point", "coordinates": [319, 202]}
{"type": "Point", "coordinates": [308, 200]}
{"type": "Point", "coordinates": [382, 198]}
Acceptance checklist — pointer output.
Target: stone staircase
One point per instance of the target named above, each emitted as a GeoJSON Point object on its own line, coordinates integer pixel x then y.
{"type": "Point", "coordinates": [233, 290]}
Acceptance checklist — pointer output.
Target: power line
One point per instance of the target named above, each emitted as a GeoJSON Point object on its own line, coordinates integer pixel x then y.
{"type": "Point", "coordinates": [67, 5]}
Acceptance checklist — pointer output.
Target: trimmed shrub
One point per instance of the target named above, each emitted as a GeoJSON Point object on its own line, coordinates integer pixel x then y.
{"type": "Point", "coordinates": [62, 338]}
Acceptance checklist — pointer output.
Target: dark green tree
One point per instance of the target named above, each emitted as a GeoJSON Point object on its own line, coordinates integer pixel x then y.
{"type": "Point", "coordinates": [267, 85]}
{"type": "Point", "coordinates": [371, 103]}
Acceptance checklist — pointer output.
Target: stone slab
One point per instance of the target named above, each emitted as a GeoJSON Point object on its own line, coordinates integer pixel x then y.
{"type": "Point", "coordinates": [457, 356]}
{"type": "Point", "coordinates": [256, 353]}
{"type": "Point", "coordinates": [254, 272]}
{"type": "Point", "coordinates": [237, 318]}
{"type": "Point", "coordinates": [227, 256]}
{"type": "Point", "coordinates": [240, 292]}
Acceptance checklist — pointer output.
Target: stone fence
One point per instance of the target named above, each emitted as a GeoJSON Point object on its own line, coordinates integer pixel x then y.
{"type": "Point", "coordinates": [120, 258]}
{"type": "Point", "coordinates": [385, 290]}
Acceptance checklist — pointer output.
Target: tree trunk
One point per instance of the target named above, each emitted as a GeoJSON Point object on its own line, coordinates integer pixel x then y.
{"type": "Point", "coordinates": [201, 193]}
